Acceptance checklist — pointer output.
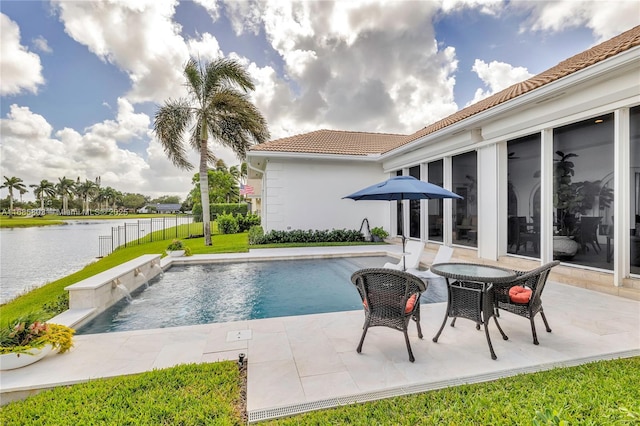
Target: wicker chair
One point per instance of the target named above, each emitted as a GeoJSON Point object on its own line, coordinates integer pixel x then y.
{"type": "Point", "coordinates": [390, 298]}
{"type": "Point", "coordinates": [535, 280]}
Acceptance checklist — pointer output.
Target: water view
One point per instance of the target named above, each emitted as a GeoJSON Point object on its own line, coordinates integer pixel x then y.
{"type": "Point", "coordinates": [32, 257]}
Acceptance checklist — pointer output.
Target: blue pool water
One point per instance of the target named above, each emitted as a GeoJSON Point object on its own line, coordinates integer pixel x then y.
{"type": "Point", "coordinates": [211, 293]}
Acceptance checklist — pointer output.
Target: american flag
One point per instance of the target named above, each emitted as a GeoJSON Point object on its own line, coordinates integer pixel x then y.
{"type": "Point", "coordinates": [246, 189]}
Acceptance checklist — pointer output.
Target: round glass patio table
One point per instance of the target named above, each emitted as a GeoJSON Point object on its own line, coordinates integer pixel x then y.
{"type": "Point", "coordinates": [470, 294]}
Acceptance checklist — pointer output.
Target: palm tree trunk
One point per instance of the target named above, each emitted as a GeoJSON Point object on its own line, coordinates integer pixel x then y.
{"type": "Point", "coordinates": [204, 192]}
{"type": "Point", "coordinates": [42, 202]}
{"type": "Point", "coordinates": [10, 203]}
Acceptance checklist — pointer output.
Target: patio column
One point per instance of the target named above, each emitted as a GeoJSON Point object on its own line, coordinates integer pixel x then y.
{"type": "Point", "coordinates": [489, 196]}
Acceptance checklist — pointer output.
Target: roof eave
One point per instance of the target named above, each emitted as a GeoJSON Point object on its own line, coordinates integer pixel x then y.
{"type": "Point", "coordinates": [544, 93]}
{"type": "Point", "coordinates": [312, 156]}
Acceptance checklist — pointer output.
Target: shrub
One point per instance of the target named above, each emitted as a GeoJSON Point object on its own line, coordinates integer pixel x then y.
{"type": "Point", "coordinates": [218, 209]}
{"type": "Point", "coordinates": [311, 236]}
{"type": "Point", "coordinates": [379, 232]}
{"type": "Point", "coordinates": [247, 221]}
{"type": "Point", "coordinates": [30, 332]}
{"type": "Point", "coordinates": [175, 245]}
{"type": "Point", "coordinates": [256, 234]}
{"type": "Point", "coordinates": [227, 224]}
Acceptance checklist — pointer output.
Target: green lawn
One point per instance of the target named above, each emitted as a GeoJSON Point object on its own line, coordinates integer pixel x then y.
{"type": "Point", "coordinates": [600, 393]}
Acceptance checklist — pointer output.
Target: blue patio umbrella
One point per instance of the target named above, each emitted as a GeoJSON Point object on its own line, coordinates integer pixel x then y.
{"type": "Point", "coordinates": [402, 188]}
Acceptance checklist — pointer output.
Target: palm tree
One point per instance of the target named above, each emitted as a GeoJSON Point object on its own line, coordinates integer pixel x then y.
{"type": "Point", "coordinates": [218, 108]}
{"type": "Point", "coordinates": [12, 183]}
{"type": "Point", "coordinates": [42, 190]}
{"type": "Point", "coordinates": [64, 188]}
{"type": "Point", "coordinates": [86, 190]}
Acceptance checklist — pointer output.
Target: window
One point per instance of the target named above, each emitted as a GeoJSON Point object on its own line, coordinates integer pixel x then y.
{"type": "Point", "coordinates": [435, 215]}
{"type": "Point", "coordinates": [399, 218]}
{"type": "Point", "coordinates": [465, 211]}
{"type": "Point", "coordinates": [583, 162]}
{"type": "Point", "coordinates": [414, 208]}
{"type": "Point", "coordinates": [523, 221]}
{"type": "Point", "coordinates": [634, 180]}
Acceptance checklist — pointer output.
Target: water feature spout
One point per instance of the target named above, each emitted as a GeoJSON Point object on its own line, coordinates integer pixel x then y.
{"type": "Point", "coordinates": [115, 283]}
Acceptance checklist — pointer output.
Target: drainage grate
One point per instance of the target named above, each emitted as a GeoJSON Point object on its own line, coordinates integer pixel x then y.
{"type": "Point", "coordinates": [290, 410]}
{"type": "Point", "coordinates": [236, 336]}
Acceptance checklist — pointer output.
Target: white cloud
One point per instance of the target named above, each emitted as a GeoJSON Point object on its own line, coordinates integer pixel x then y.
{"type": "Point", "coordinates": [138, 37]}
{"type": "Point", "coordinates": [41, 44]}
{"type": "Point", "coordinates": [343, 67]}
{"type": "Point", "coordinates": [31, 152]}
{"type": "Point", "coordinates": [211, 6]}
{"type": "Point", "coordinates": [20, 69]}
{"type": "Point", "coordinates": [605, 19]}
{"type": "Point", "coordinates": [496, 76]}
{"type": "Point", "coordinates": [206, 48]}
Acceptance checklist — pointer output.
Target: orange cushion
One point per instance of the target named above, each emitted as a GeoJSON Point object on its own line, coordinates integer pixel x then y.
{"type": "Point", "coordinates": [519, 294]}
{"type": "Point", "coordinates": [411, 302]}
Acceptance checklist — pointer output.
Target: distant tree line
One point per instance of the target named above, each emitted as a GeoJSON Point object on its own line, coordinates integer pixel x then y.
{"type": "Point", "coordinates": [69, 196]}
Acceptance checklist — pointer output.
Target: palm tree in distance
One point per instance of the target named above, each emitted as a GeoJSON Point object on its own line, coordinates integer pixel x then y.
{"type": "Point", "coordinates": [42, 190]}
{"type": "Point", "coordinates": [11, 184]}
{"type": "Point", "coordinates": [86, 190]}
{"type": "Point", "coordinates": [64, 188]}
{"type": "Point", "coordinates": [217, 108]}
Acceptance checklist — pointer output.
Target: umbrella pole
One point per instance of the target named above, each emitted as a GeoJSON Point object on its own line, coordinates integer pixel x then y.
{"type": "Point", "coordinates": [404, 256]}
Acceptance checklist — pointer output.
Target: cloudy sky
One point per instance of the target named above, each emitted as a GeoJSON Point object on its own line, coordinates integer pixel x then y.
{"type": "Point", "coordinates": [81, 80]}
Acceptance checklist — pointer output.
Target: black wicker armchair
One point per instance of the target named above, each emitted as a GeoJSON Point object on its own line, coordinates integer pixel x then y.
{"type": "Point", "coordinates": [535, 280]}
{"type": "Point", "coordinates": [390, 298]}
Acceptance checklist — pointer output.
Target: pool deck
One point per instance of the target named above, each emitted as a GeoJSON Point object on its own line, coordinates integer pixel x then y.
{"type": "Point", "coordinates": [302, 363]}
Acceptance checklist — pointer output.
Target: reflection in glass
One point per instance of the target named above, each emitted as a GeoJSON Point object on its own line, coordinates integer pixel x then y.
{"type": "Point", "coordinates": [435, 207]}
{"type": "Point", "coordinates": [523, 221]}
{"type": "Point", "coordinates": [399, 218]}
{"type": "Point", "coordinates": [634, 179]}
{"type": "Point", "coordinates": [583, 164]}
{"type": "Point", "coordinates": [465, 211]}
{"type": "Point", "coordinates": [414, 208]}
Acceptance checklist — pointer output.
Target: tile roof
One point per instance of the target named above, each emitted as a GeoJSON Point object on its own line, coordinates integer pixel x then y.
{"type": "Point", "coordinates": [362, 143]}
{"type": "Point", "coordinates": [334, 142]}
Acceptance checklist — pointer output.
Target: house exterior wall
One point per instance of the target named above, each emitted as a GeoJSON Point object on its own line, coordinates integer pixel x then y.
{"type": "Point", "coordinates": [307, 194]}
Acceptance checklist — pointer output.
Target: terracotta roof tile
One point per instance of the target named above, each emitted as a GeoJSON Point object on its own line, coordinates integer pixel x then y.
{"type": "Point", "coordinates": [607, 49]}
{"type": "Point", "coordinates": [334, 142]}
{"type": "Point", "coordinates": [362, 143]}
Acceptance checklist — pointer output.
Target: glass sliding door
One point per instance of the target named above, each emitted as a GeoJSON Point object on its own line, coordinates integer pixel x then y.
{"type": "Point", "coordinates": [634, 180]}
{"type": "Point", "coordinates": [435, 216]}
{"type": "Point", "coordinates": [399, 218]}
{"type": "Point", "coordinates": [414, 208]}
{"type": "Point", "coordinates": [523, 221]}
{"type": "Point", "coordinates": [464, 170]}
{"type": "Point", "coordinates": [583, 192]}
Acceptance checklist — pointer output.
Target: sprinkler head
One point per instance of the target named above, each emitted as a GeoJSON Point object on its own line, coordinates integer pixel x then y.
{"type": "Point", "coordinates": [241, 357]}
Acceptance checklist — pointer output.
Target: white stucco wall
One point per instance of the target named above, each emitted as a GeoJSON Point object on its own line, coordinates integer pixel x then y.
{"type": "Point", "coordinates": [307, 194]}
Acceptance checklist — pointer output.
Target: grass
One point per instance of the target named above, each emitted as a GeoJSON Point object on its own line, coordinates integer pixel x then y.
{"type": "Point", "coordinates": [27, 222]}
{"type": "Point", "coordinates": [599, 393]}
{"type": "Point", "coordinates": [203, 394]}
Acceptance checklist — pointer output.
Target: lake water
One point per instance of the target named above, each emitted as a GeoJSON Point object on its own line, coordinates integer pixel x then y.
{"type": "Point", "coordinates": [32, 257]}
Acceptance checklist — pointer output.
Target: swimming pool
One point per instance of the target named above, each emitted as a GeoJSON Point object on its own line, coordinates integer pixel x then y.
{"type": "Point", "coordinates": [223, 292]}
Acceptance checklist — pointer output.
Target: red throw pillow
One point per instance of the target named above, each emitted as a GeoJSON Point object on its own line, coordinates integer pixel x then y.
{"type": "Point", "coordinates": [519, 294]}
{"type": "Point", "coordinates": [411, 302]}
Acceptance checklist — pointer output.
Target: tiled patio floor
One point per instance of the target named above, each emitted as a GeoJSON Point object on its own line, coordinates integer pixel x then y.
{"type": "Point", "coordinates": [308, 362]}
